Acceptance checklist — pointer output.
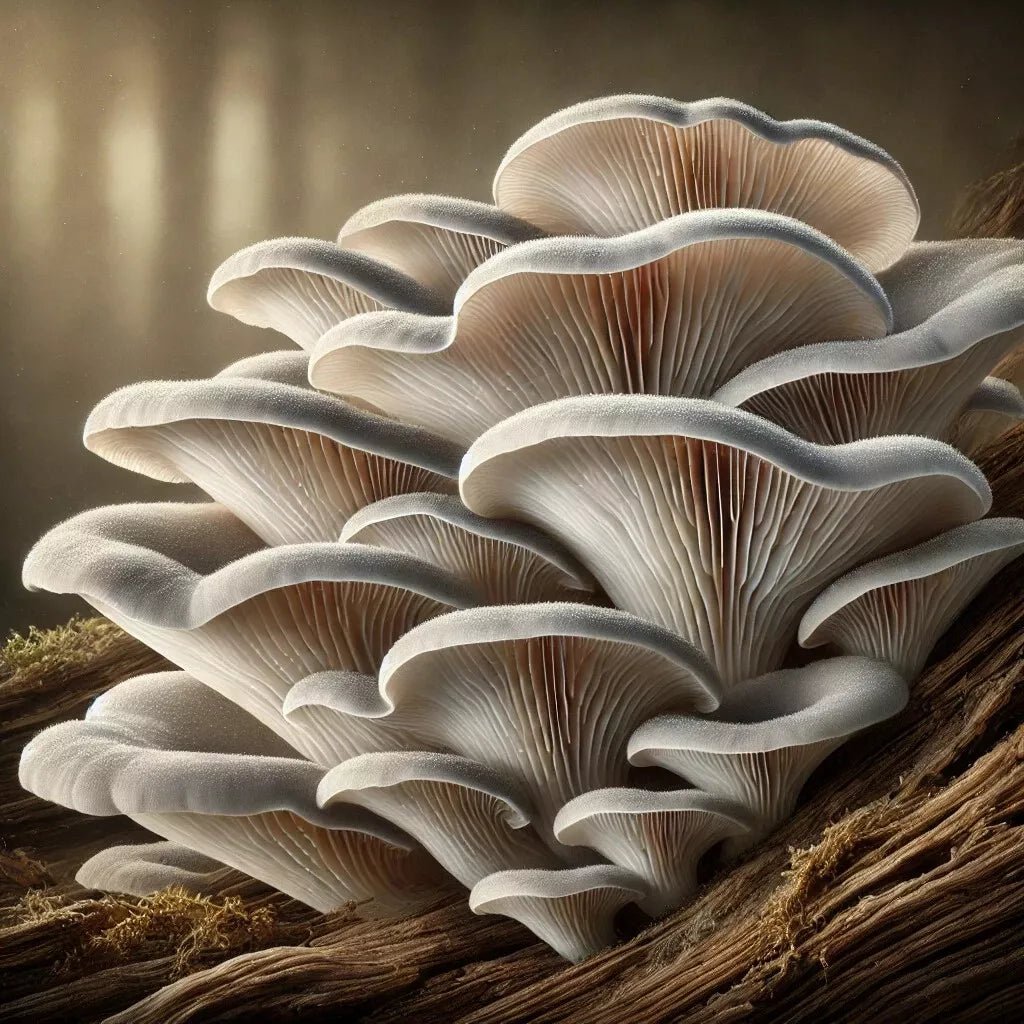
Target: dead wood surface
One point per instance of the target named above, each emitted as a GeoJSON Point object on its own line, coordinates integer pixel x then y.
{"type": "Point", "coordinates": [895, 893]}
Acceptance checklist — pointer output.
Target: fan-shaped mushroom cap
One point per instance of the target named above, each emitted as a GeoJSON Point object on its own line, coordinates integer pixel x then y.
{"type": "Point", "coordinates": [619, 163]}
{"type": "Point", "coordinates": [712, 521]}
{"type": "Point", "coordinates": [676, 308]}
{"type": "Point", "coordinates": [147, 867]}
{"type": "Point", "coordinates": [191, 766]}
{"type": "Point", "coordinates": [544, 694]}
{"type": "Point", "coordinates": [917, 381]}
{"type": "Point", "coordinates": [468, 817]}
{"type": "Point", "coordinates": [506, 562]}
{"type": "Point", "coordinates": [657, 836]}
{"type": "Point", "coordinates": [896, 607]}
{"type": "Point", "coordinates": [435, 240]}
{"type": "Point", "coordinates": [993, 409]}
{"type": "Point", "coordinates": [289, 366]}
{"type": "Point", "coordinates": [761, 745]}
{"type": "Point", "coordinates": [248, 621]}
{"type": "Point", "coordinates": [572, 909]}
{"type": "Point", "coordinates": [303, 286]}
{"type": "Point", "coordinates": [290, 462]}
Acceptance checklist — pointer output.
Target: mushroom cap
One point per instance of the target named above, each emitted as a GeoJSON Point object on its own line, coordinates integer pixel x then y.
{"type": "Point", "coordinates": [614, 164]}
{"type": "Point", "coordinates": [674, 308]}
{"type": "Point", "coordinates": [144, 868]}
{"type": "Point", "coordinates": [287, 460]}
{"type": "Point", "coordinates": [546, 694]}
{"type": "Point", "coordinates": [285, 367]}
{"type": "Point", "coordinates": [761, 745]}
{"type": "Point", "coordinates": [196, 769]}
{"type": "Point", "coordinates": [896, 607]}
{"type": "Point", "coordinates": [508, 561]}
{"type": "Point", "coordinates": [994, 407]}
{"type": "Point", "coordinates": [662, 498]}
{"type": "Point", "coordinates": [250, 624]}
{"type": "Point", "coordinates": [435, 240]}
{"type": "Point", "coordinates": [469, 817]}
{"type": "Point", "coordinates": [303, 286]}
{"type": "Point", "coordinates": [917, 381]}
{"type": "Point", "coordinates": [658, 836]}
{"type": "Point", "coordinates": [571, 909]}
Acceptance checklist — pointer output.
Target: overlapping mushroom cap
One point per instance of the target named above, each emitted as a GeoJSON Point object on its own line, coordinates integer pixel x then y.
{"type": "Point", "coordinates": [659, 373]}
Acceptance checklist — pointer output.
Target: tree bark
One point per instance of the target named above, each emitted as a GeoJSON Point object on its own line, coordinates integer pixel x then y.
{"type": "Point", "coordinates": [894, 893]}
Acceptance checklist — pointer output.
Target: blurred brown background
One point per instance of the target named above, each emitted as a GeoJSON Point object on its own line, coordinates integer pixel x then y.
{"type": "Point", "coordinates": [141, 143]}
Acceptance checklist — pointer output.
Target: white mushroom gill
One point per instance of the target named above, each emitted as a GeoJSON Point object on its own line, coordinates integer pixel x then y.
{"type": "Point", "coordinates": [659, 373]}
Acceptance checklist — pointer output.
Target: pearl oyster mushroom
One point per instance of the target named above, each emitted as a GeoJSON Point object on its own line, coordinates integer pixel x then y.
{"type": "Point", "coordinates": [762, 743]}
{"type": "Point", "coordinates": [507, 562]}
{"type": "Point", "coordinates": [676, 308]}
{"type": "Point", "coordinates": [571, 909]}
{"type": "Point", "coordinates": [143, 868]}
{"type": "Point", "coordinates": [922, 378]}
{"type": "Point", "coordinates": [658, 836]}
{"type": "Point", "coordinates": [612, 165]}
{"type": "Point", "coordinates": [302, 286]}
{"type": "Point", "coordinates": [198, 587]}
{"type": "Point", "coordinates": [657, 282]}
{"type": "Point", "coordinates": [290, 462]}
{"type": "Point", "coordinates": [465, 814]}
{"type": "Point", "coordinates": [191, 766]}
{"type": "Point", "coordinates": [435, 240]}
{"type": "Point", "coordinates": [896, 607]}
{"type": "Point", "coordinates": [711, 521]}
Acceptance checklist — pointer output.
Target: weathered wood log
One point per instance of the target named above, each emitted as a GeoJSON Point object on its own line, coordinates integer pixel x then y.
{"type": "Point", "coordinates": [893, 894]}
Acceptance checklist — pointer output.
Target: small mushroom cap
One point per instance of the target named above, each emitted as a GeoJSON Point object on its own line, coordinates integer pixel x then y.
{"type": "Point", "coordinates": [761, 745]}
{"type": "Point", "coordinates": [508, 561]}
{"type": "Point", "coordinates": [614, 164]}
{"type": "Point", "coordinates": [675, 308]}
{"type": "Point", "coordinates": [658, 836]}
{"type": "Point", "coordinates": [994, 408]}
{"type": "Point", "coordinates": [469, 817]}
{"type": "Point", "coordinates": [436, 240]}
{"type": "Point", "coordinates": [571, 909]}
{"type": "Point", "coordinates": [285, 367]}
{"type": "Point", "coordinates": [896, 607]}
{"type": "Point", "coordinates": [631, 483]}
{"type": "Point", "coordinates": [145, 868]}
{"type": "Point", "coordinates": [303, 286]}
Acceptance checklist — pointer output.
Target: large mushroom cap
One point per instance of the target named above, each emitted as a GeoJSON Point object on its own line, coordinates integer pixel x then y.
{"type": "Point", "coordinates": [709, 520]}
{"type": "Point", "coordinates": [618, 163]}
{"type": "Point", "coordinates": [676, 308]}
{"type": "Point", "coordinates": [572, 909]}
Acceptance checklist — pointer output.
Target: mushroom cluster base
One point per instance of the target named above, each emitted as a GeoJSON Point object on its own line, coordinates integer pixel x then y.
{"type": "Point", "coordinates": [894, 893]}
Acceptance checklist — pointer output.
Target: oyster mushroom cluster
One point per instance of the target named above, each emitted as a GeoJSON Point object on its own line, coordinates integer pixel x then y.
{"type": "Point", "coordinates": [577, 531]}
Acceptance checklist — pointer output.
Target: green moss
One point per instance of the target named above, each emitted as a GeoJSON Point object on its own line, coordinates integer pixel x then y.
{"type": "Point", "coordinates": [45, 650]}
